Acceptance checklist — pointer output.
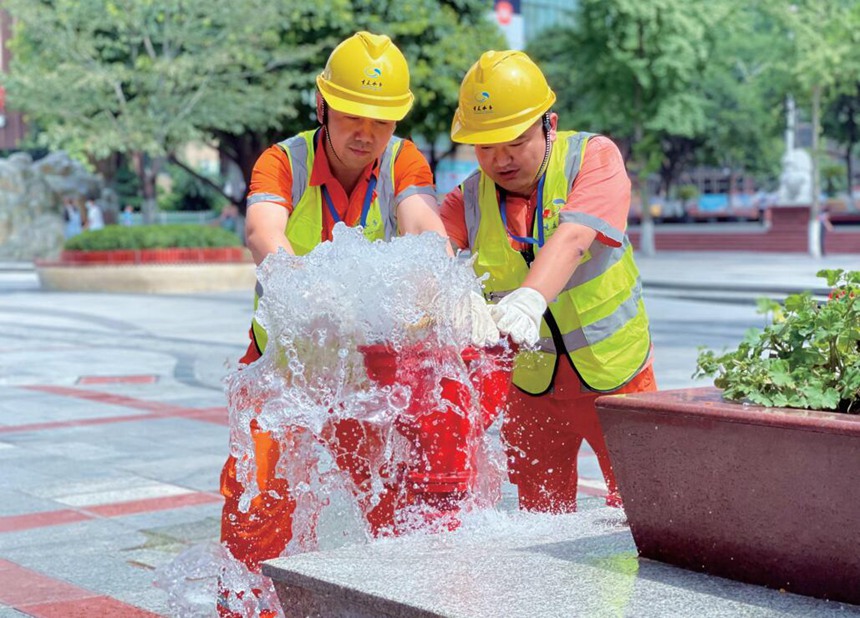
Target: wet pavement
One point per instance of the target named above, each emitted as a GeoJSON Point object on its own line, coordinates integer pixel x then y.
{"type": "Point", "coordinates": [113, 426]}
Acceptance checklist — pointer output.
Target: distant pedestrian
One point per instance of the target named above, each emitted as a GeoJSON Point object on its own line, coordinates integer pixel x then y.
{"type": "Point", "coordinates": [72, 218]}
{"type": "Point", "coordinates": [127, 217]}
{"type": "Point", "coordinates": [95, 217]}
{"type": "Point", "coordinates": [825, 225]}
{"type": "Point", "coordinates": [229, 218]}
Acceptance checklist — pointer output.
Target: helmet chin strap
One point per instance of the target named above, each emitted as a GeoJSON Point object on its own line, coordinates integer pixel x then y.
{"type": "Point", "coordinates": [327, 136]}
{"type": "Point", "coordinates": [547, 127]}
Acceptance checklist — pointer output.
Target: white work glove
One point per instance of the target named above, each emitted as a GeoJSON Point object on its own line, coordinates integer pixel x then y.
{"type": "Point", "coordinates": [519, 315]}
{"type": "Point", "coordinates": [484, 331]}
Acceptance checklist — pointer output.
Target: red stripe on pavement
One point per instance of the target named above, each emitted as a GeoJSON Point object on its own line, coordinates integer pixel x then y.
{"type": "Point", "coordinates": [82, 422]}
{"type": "Point", "coordinates": [144, 379]}
{"type": "Point", "coordinates": [17, 523]}
{"type": "Point", "coordinates": [41, 596]}
{"type": "Point", "coordinates": [108, 398]}
{"type": "Point", "coordinates": [157, 410]}
{"type": "Point", "coordinates": [20, 586]}
{"type": "Point", "coordinates": [13, 523]}
{"type": "Point", "coordinates": [87, 608]}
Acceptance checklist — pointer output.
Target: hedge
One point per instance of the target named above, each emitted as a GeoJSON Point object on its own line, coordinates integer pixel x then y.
{"type": "Point", "coordinates": [152, 237]}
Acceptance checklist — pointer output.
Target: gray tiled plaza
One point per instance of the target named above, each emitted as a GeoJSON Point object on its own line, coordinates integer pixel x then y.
{"type": "Point", "coordinates": [93, 441]}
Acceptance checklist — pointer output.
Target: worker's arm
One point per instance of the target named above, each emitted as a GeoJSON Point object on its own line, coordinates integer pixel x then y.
{"type": "Point", "coordinates": [269, 204]}
{"type": "Point", "coordinates": [452, 213]}
{"type": "Point", "coordinates": [596, 209]}
{"type": "Point", "coordinates": [265, 226]}
{"type": "Point", "coordinates": [415, 194]}
{"type": "Point", "coordinates": [555, 263]}
{"type": "Point", "coordinates": [417, 214]}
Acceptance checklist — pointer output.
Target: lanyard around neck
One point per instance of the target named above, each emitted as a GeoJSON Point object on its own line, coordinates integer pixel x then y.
{"type": "Point", "coordinates": [365, 207]}
{"type": "Point", "coordinates": [503, 203]}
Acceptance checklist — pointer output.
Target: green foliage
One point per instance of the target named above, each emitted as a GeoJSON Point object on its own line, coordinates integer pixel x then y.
{"type": "Point", "coordinates": [833, 178]}
{"type": "Point", "coordinates": [698, 82]}
{"type": "Point", "coordinates": [745, 84]}
{"type": "Point", "coordinates": [188, 192]}
{"type": "Point", "coordinates": [634, 70]}
{"type": "Point", "coordinates": [636, 65]}
{"type": "Point", "coordinates": [823, 40]}
{"type": "Point", "coordinates": [440, 39]}
{"type": "Point", "coordinates": [808, 357]}
{"type": "Point", "coordinates": [686, 193]}
{"type": "Point", "coordinates": [103, 76]}
{"type": "Point", "coordinates": [126, 184]}
{"type": "Point", "coordinates": [152, 237]}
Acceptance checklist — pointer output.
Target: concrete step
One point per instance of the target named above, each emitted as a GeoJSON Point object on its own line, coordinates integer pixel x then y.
{"type": "Point", "coordinates": [518, 565]}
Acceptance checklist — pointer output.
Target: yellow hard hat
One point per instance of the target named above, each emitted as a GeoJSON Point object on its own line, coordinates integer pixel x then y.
{"type": "Point", "coordinates": [366, 75]}
{"type": "Point", "coordinates": [502, 95]}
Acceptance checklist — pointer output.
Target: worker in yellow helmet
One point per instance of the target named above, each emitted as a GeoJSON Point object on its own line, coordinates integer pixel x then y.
{"type": "Point", "coordinates": [546, 216]}
{"type": "Point", "coordinates": [351, 169]}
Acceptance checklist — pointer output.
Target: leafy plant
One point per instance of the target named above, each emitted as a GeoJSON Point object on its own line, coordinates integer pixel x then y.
{"type": "Point", "coordinates": [686, 193]}
{"type": "Point", "coordinates": [152, 237]}
{"type": "Point", "coordinates": [808, 357]}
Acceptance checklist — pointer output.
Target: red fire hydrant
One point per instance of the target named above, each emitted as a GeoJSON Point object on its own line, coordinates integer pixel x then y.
{"type": "Point", "coordinates": [445, 431]}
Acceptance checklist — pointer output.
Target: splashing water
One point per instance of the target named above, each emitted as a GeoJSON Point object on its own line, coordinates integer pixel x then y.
{"type": "Point", "coordinates": [370, 388]}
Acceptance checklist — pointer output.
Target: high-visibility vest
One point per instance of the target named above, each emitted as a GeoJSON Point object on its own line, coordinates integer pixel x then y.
{"type": "Point", "coordinates": [305, 224]}
{"type": "Point", "coordinates": [599, 316]}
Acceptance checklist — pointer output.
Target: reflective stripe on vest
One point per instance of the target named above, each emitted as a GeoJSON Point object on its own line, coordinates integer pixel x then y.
{"type": "Point", "coordinates": [305, 224]}
{"type": "Point", "coordinates": [599, 315]}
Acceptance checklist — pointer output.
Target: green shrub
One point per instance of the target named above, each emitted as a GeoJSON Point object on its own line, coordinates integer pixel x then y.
{"type": "Point", "coordinates": [809, 357]}
{"type": "Point", "coordinates": [686, 193]}
{"type": "Point", "coordinates": [152, 237]}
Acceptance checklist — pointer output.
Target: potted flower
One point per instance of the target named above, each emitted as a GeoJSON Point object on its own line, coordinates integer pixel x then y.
{"type": "Point", "coordinates": [757, 479]}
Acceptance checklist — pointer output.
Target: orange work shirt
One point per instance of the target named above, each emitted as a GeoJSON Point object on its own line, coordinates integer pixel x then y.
{"type": "Point", "coordinates": [272, 181]}
{"type": "Point", "coordinates": [599, 199]}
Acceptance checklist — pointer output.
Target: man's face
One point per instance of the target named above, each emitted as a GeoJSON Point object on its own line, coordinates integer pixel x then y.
{"type": "Point", "coordinates": [358, 141]}
{"type": "Point", "coordinates": [514, 165]}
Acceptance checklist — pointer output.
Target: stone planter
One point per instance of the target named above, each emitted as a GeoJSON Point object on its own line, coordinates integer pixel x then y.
{"type": "Point", "coordinates": [150, 271]}
{"type": "Point", "coordinates": [768, 496]}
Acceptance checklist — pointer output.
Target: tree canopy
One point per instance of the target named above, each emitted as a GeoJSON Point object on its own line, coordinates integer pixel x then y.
{"type": "Point", "coordinates": [700, 81]}
{"type": "Point", "coordinates": [146, 76]}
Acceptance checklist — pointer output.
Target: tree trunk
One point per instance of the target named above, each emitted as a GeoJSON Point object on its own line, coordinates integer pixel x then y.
{"type": "Point", "coordinates": [647, 244]}
{"type": "Point", "coordinates": [815, 209]}
{"type": "Point", "coordinates": [147, 171]}
{"type": "Point", "coordinates": [244, 150]}
{"type": "Point", "coordinates": [434, 161]}
{"type": "Point", "coordinates": [849, 166]}
{"type": "Point", "coordinates": [852, 141]}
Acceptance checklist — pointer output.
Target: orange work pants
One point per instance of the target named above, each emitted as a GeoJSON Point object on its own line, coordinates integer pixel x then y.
{"type": "Point", "coordinates": [543, 433]}
{"type": "Point", "coordinates": [264, 531]}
